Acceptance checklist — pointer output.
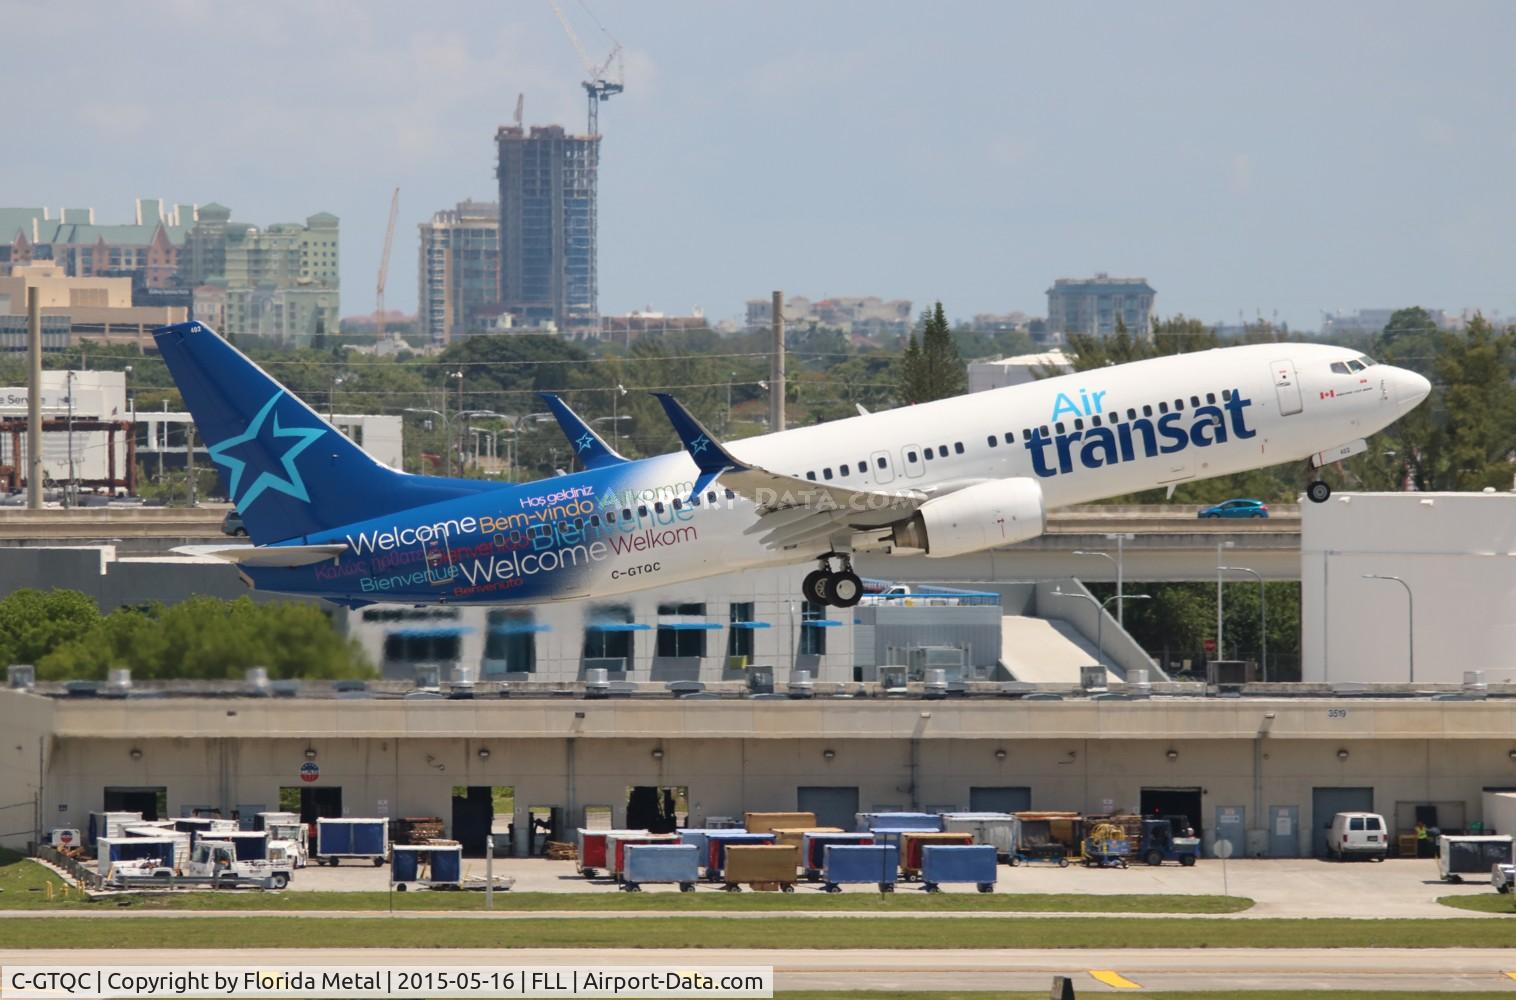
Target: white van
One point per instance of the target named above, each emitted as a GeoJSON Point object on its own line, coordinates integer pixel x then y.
{"type": "Point", "coordinates": [1362, 835]}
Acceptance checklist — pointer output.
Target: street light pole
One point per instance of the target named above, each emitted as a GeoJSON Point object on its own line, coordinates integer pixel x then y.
{"type": "Point", "coordinates": [1410, 619]}
{"type": "Point", "coordinates": [1120, 538]}
{"type": "Point", "coordinates": [1120, 619]}
{"type": "Point", "coordinates": [1220, 649]}
{"type": "Point", "coordinates": [1100, 607]}
{"type": "Point", "coordinates": [1263, 617]}
{"type": "Point", "coordinates": [447, 454]}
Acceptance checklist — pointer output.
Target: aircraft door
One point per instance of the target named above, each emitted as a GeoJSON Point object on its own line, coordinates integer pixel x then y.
{"type": "Point", "coordinates": [914, 465]}
{"type": "Point", "coordinates": [880, 466]}
{"type": "Point", "coordinates": [1287, 387]}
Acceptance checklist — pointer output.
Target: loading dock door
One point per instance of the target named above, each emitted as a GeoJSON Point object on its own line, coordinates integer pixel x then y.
{"type": "Point", "coordinates": [473, 817]}
{"type": "Point", "coordinates": [1328, 802]}
{"type": "Point", "coordinates": [834, 805]}
{"type": "Point", "coordinates": [1174, 802]}
{"type": "Point", "coordinates": [1002, 799]}
{"type": "Point", "coordinates": [312, 803]}
{"type": "Point", "coordinates": [152, 803]}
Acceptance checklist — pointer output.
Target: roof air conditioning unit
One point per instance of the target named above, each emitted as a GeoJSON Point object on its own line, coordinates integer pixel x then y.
{"type": "Point", "coordinates": [1474, 684]}
{"type": "Point", "coordinates": [1137, 683]}
{"type": "Point", "coordinates": [597, 683]}
{"type": "Point", "coordinates": [801, 684]}
{"type": "Point", "coordinates": [428, 677]}
{"type": "Point", "coordinates": [892, 678]}
{"type": "Point", "coordinates": [465, 675]}
{"type": "Point", "coordinates": [118, 681]}
{"type": "Point", "coordinates": [936, 683]}
{"type": "Point", "coordinates": [20, 676]}
{"type": "Point", "coordinates": [257, 680]}
{"type": "Point", "coordinates": [1092, 679]}
{"type": "Point", "coordinates": [760, 680]}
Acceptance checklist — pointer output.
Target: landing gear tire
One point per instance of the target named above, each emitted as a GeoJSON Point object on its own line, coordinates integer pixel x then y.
{"type": "Point", "coordinates": [843, 590]}
{"type": "Point", "coordinates": [813, 587]}
{"type": "Point", "coordinates": [1318, 492]}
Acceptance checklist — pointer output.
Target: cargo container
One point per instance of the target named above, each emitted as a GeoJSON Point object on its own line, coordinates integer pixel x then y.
{"type": "Point", "coordinates": [795, 834]}
{"type": "Point", "coordinates": [976, 864]}
{"type": "Point", "coordinates": [857, 864]}
{"type": "Point", "coordinates": [1472, 857]}
{"type": "Point", "coordinates": [109, 851]}
{"type": "Point", "coordinates": [756, 822]}
{"type": "Point", "coordinates": [716, 841]}
{"type": "Point", "coordinates": [912, 843]}
{"type": "Point", "coordinates": [436, 866]}
{"type": "Point", "coordinates": [590, 857]}
{"type": "Point", "coordinates": [351, 838]}
{"type": "Point", "coordinates": [109, 824]}
{"type": "Point", "coordinates": [996, 829]}
{"type": "Point", "coordinates": [204, 824]}
{"type": "Point", "coordinates": [899, 821]}
{"type": "Point", "coordinates": [813, 849]}
{"type": "Point", "coordinates": [264, 820]}
{"type": "Point", "coordinates": [676, 863]}
{"type": "Point", "coordinates": [183, 842]}
{"type": "Point", "coordinates": [893, 835]}
{"type": "Point", "coordinates": [617, 843]}
{"type": "Point", "coordinates": [755, 864]}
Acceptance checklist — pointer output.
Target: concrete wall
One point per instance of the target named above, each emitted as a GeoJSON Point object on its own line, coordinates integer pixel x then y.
{"type": "Point", "coordinates": [95, 570]}
{"type": "Point", "coordinates": [1456, 552]}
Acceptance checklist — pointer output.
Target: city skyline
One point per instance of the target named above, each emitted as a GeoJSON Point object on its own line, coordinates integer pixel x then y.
{"type": "Point", "coordinates": [1236, 159]}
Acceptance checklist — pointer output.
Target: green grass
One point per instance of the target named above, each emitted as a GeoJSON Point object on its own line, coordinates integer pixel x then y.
{"type": "Point", "coordinates": [611, 900]}
{"type": "Point", "coordinates": [24, 884]}
{"type": "Point", "coordinates": [1490, 902]}
{"type": "Point", "coordinates": [779, 933]}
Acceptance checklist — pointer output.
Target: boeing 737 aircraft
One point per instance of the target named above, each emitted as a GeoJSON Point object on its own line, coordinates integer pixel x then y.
{"type": "Point", "coordinates": [943, 478]}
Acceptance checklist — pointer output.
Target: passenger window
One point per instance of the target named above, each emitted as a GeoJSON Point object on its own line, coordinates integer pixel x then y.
{"type": "Point", "coordinates": [958, 447]}
{"type": "Point", "coordinates": [910, 456]}
{"type": "Point", "coordinates": [730, 495]}
{"type": "Point", "coordinates": [863, 467]}
{"type": "Point", "coordinates": [594, 520]}
{"type": "Point", "coordinates": [1340, 367]}
{"type": "Point", "coordinates": [1163, 407]}
{"type": "Point", "coordinates": [1194, 400]}
{"type": "Point", "coordinates": [1210, 398]}
{"type": "Point", "coordinates": [1078, 424]}
{"type": "Point", "coordinates": [1131, 413]}
{"type": "Point", "coordinates": [1226, 395]}
{"type": "Point", "coordinates": [811, 476]}
{"type": "Point", "coordinates": [942, 451]}
{"type": "Point", "coordinates": [658, 507]}
{"type": "Point", "coordinates": [926, 453]}
{"type": "Point", "coordinates": [642, 510]}
{"type": "Point", "coordinates": [1356, 823]}
{"type": "Point", "coordinates": [710, 497]}
{"type": "Point", "coordinates": [826, 473]}
{"type": "Point", "coordinates": [881, 462]}
{"type": "Point", "coordinates": [1045, 430]}
{"type": "Point", "coordinates": [1178, 405]}
{"type": "Point", "coordinates": [1059, 425]}
{"type": "Point", "coordinates": [1147, 409]}
{"type": "Point", "coordinates": [610, 518]}
{"type": "Point", "coordinates": [842, 470]}
{"type": "Point", "coordinates": [1095, 420]}
{"type": "Point", "coordinates": [991, 440]}
{"type": "Point", "coordinates": [678, 504]}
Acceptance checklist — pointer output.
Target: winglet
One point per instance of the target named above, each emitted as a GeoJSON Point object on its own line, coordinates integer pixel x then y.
{"type": "Point", "coordinates": [711, 458]}
{"type": "Point", "coordinates": [590, 448]}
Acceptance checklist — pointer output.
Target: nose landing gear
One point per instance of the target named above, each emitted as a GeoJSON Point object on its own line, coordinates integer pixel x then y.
{"type": "Point", "coordinates": [838, 588]}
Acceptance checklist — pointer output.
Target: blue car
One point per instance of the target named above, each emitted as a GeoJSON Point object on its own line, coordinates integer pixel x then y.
{"type": "Point", "coordinates": [1236, 508]}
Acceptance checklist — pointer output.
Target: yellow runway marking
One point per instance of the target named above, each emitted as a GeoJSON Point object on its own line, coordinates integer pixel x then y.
{"type": "Point", "coordinates": [1120, 982]}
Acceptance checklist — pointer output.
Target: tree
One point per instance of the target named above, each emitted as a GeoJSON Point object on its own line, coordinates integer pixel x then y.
{"type": "Point", "coordinates": [932, 369]}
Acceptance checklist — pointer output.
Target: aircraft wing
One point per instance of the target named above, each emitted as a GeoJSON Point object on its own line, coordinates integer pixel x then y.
{"type": "Point", "coordinates": [267, 555]}
{"type": "Point", "coordinates": [791, 511]}
{"type": "Point", "coordinates": [590, 448]}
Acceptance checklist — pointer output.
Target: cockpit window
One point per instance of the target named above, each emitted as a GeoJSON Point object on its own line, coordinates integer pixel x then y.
{"type": "Point", "coordinates": [1340, 367]}
{"type": "Point", "coordinates": [1366, 361]}
{"type": "Point", "coordinates": [1356, 365]}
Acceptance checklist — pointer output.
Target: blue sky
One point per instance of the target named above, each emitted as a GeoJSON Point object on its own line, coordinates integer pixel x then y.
{"type": "Point", "coordinates": [1291, 156]}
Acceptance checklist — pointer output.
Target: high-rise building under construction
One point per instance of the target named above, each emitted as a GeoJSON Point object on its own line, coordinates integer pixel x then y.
{"type": "Point", "coordinates": [547, 225]}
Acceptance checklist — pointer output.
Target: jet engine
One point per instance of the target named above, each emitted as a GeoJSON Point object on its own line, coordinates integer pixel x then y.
{"type": "Point", "coordinates": [998, 512]}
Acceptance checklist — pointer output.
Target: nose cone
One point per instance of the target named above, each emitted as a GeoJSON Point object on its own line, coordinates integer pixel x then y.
{"type": "Point", "coordinates": [1410, 389]}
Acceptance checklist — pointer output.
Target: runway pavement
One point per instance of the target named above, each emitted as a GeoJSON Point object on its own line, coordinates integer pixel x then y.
{"type": "Point", "coordinates": [1415, 971]}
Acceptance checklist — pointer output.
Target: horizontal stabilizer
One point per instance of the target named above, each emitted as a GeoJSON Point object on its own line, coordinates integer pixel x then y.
{"type": "Point", "coordinates": [267, 555]}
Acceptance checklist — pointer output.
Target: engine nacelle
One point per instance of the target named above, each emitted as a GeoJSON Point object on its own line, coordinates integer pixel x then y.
{"type": "Point", "coordinates": [999, 512]}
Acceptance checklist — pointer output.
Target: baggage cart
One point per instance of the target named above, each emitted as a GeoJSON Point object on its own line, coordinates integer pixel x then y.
{"type": "Point", "coordinates": [993, 828]}
{"type": "Point", "coordinates": [182, 841]}
{"type": "Point", "coordinates": [813, 849]}
{"type": "Point", "coordinates": [346, 837]}
{"type": "Point", "coordinates": [899, 821]}
{"type": "Point", "coordinates": [716, 842]}
{"type": "Point", "coordinates": [757, 822]}
{"type": "Point", "coordinates": [911, 844]}
{"type": "Point", "coordinates": [435, 866]}
{"type": "Point", "coordinates": [696, 839]}
{"type": "Point", "coordinates": [617, 843]}
{"type": "Point", "coordinates": [1106, 846]}
{"type": "Point", "coordinates": [760, 864]}
{"type": "Point", "coordinates": [974, 863]}
{"type": "Point", "coordinates": [675, 863]}
{"type": "Point", "coordinates": [1034, 841]}
{"type": "Point", "coordinates": [590, 856]}
{"type": "Point", "coordinates": [112, 851]}
{"type": "Point", "coordinates": [860, 864]}
{"type": "Point", "coordinates": [1458, 856]}
{"type": "Point", "coordinates": [109, 824]}
{"type": "Point", "coordinates": [250, 845]}
{"type": "Point", "coordinates": [796, 834]}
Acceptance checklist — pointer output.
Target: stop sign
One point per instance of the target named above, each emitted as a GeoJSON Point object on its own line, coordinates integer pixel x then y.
{"type": "Point", "coordinates": [1210, 645]}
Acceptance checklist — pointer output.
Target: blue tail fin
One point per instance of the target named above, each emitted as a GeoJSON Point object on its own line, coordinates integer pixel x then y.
{"type": "Point", "coordinates": [290, 474]}
{"type": "Point", "coordinates": [590, 448]}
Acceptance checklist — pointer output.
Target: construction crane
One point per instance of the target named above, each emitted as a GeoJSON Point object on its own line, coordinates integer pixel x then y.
{"type": "Point", "coordinates": [598, 87]}
{"type": "Point", "coordinates": [384, 264]}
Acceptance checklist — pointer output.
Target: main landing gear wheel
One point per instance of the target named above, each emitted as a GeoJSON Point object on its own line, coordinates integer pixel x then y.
{"type": "Point", "coordinates": [843, 590]}
{"type": "Point", "coordinates": [813, 587]}
{"type": "Point", "coordinates": [1318, 491]}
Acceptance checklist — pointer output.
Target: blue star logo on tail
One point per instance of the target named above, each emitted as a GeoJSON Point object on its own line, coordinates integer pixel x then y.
{"type": "Point", "coordinates": [260, 448]}
{"type": "Point", "coordinates": [585, 442]}
{"type": "Point", "coordinates": [699, 444]}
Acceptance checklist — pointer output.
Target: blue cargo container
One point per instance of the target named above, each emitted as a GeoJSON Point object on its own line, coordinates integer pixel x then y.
{"type": "Point", "coordinates": [249, 845]}
{"type": "Point", "coordinates": [351, 838]}
{"type": "Point", "coordinates": [696, 838]}
{"type": "Point", "coordinates": [813, 847]}
{"type": "Point", "coordinates": [958, 863]}
{"type": "Point", "coordinates": [435, 865]}
{"type": "Point", "coordinates": [899, 821]}
{"type": "Point", "coordinates": [859, 864]}
{"type": "Point", "coordinates": [679, 863]}
{"type": "Point", "coordinates": [716, 841]}
{"type": "Point", "coordinates": [110, 850]}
